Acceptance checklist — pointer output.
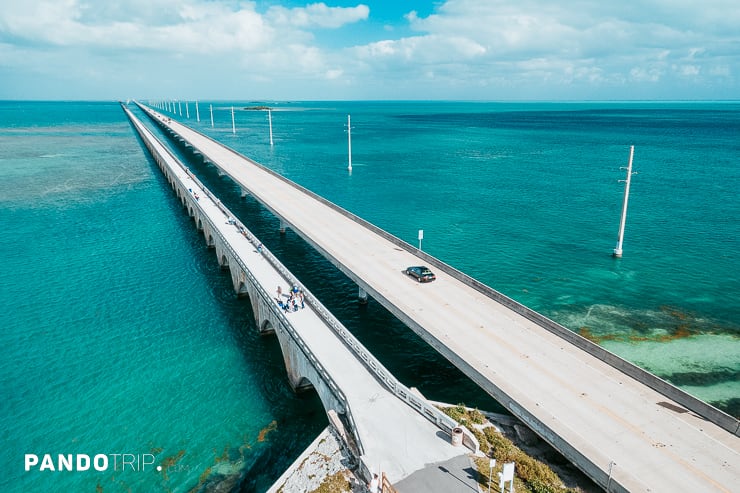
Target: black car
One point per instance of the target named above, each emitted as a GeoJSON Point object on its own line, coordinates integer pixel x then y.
{"type": "Point", "coordinates": [421, 273]}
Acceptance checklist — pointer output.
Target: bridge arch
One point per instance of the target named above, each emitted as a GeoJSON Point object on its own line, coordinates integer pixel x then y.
{"type": "Point", "coordinates": [239, 281]}
{"type": "Point", "coordinates": [266, 327]}
{"type": "Point", "coordinates": [303, 375]}
{"type": "Point", "coordinates": [303, 385]}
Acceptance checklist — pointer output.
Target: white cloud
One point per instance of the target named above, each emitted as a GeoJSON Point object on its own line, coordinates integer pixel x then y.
{"type": "Point", "coordinates": [191, 27]}
{"type": "Point", "coordinates": [687, 70]}
{"type": "Point", "coordinates": [720, 71]}
{"type": "Point", "coordinates": [566, 43]}
{"type": "Point", "coordinates": [646, 74]}
{"type": "Point", "coordinates": [317, 15]}
{"type": "Point", "coordinates": [463, 48]}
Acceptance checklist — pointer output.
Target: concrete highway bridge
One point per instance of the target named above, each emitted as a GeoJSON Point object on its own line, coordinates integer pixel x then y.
{"type": "Point", "coordinates": [624, 427]}
{"type": "Point", "coordinates": [385, 425]}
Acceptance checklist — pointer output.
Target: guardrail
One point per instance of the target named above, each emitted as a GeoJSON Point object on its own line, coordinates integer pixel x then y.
{"type": "Point", "coordinates": [430, 412]}
{"type": "Point", "coordinates": [161, 159]}
{"type": "Point", "coordinates": [661, 386]}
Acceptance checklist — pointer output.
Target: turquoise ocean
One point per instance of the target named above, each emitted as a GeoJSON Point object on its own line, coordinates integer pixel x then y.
{"type": "Point", "coordinates": [121, 335]}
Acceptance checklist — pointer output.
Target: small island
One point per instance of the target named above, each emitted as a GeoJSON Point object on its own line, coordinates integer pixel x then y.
{"type": "Point", "coordinates": [257, 108]}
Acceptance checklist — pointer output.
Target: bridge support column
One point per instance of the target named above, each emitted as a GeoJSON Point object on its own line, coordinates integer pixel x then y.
{"type": "Point", "coordinates": [282, 227]}
{"type": "Point", "coordinates": [362, 296]}
{"type": "Point", "coordinates": [244, 193]}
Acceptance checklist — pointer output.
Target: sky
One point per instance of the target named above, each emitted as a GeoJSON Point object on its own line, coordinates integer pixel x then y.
{"type": "Point", "coordinates": [490, 50]}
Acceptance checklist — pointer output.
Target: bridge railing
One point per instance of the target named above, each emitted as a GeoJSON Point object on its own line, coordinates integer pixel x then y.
{"type": "Point", "coordinates": [164, 157]}
{"type": "Point", "coordinates": [661, 386]}
{"type": "Point", "coordinates": [444, 422]}
{"type": "Point", "coordinates": [288, 276]}
{"type": "Point", "coordinates": [421, 405]}
{"type": "Point", "coordinates": [375, 367]}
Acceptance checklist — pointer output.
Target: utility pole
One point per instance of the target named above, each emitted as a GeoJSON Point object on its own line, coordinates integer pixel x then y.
{"type": "Point", "coordinates": [349, 143]}
{"type": "Point", "coordinates": [269, 119]}
{"type": "Point", "coordinates": [620, 238]}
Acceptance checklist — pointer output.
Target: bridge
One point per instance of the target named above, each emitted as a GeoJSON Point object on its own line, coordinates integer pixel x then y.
{"type": "Point", "coordinates": [624, 427]}
{"type": "Point", "coordinates": [384, 424]}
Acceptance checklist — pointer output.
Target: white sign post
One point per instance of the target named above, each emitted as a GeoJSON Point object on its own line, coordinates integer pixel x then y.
{"type": "Point", "coordinates": [506, 475]}
{"type": "Point", "coordinates": [492, 463]}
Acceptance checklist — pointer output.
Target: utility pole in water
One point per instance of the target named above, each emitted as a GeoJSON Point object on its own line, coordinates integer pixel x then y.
{"type": "Point", "coordinates": [269, 118]}
{"type": "Point", "coordinates": [349, 143]}
{"type": "Point", "coordinates": [618, 249]}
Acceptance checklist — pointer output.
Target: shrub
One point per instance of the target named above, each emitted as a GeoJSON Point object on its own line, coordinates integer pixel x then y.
{"type": "Point", "coordinates": [476, 417]}
{"type": "Point", "coordinates": [482, 441]}
{"type": "Point", "coordinates": [531, 474]}
{"type": "Point", "coordinates": [458, 413]}
{"type": "Point", "coordinates": [530, 470]}
{"type": "Point", "coordinates": [537, 486]}
{"type": "Point", "coordinates": [503, 449]}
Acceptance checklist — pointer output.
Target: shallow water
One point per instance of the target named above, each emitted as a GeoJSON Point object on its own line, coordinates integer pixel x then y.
{"type": "Point", "coordinates": [122, 335]}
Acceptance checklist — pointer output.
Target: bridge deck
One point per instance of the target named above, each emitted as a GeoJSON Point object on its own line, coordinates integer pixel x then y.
{"type": "Point", "coordinates": [395, 437]}
{"type": "Point", "coordinates": [605, 415]}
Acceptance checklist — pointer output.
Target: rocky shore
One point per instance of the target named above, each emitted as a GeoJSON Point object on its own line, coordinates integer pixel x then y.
{"type": "Point", "coordinates": [325, 467]}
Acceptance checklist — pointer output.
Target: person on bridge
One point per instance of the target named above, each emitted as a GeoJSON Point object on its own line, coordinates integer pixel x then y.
{"type": "Point", "coordinates": [374, 484]}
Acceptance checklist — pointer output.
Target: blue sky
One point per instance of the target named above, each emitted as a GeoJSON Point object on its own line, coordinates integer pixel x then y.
{"type": "Point", "coordinates": [393, 49]}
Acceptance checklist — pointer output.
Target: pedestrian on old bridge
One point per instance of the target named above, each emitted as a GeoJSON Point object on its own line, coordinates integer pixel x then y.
{"type": "Point", "coordinates": [374, 484]}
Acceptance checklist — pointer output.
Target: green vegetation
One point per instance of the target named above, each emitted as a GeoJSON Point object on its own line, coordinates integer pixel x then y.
{"type": "Point", "coordinates": [531, 475]}
{"type": "Point", "coordinates": [464, 416]}
{"type": "Point", "coordinates": [336, 483]}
